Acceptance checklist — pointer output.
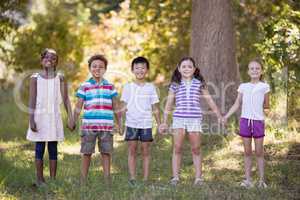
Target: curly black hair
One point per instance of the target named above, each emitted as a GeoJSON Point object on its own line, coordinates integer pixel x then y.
{"type": "Point", "coordinates": [52, 51]}
{"type": "Point", "coordinates": [176, 76]}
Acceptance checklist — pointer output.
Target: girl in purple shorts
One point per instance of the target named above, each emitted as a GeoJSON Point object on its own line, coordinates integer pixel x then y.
{"type": "Point", "coordinates": [254, 99]}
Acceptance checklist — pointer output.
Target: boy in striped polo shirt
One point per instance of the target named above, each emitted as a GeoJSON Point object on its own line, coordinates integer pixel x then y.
{"type": "Point", "coordinates": [98, 98]}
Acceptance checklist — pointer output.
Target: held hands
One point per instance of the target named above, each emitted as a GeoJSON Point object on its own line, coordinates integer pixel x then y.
{"type": "Point", "coordinates": [223, 119]}
{"type": "Point", "coordinates": [162, 128]}
{"type": "Point", "coordinates": [71, 124]}
{"type": "Point", "coordinates": [121, 129]}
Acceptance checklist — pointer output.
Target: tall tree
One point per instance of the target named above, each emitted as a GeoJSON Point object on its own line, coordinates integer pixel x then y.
{"type": "Point", "coordinates": [213, 47]}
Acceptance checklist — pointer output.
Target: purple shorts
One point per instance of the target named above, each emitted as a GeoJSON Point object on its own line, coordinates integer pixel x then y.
{"type": "Point", "coordinates": [252, 128]}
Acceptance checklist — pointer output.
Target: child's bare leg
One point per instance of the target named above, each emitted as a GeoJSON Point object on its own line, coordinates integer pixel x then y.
{"type": "Point", "coordinates": [195, 141]}
{"type": "Point", "coordinates": [259, 152]}
{"type": "Point", "coordinates": [85, 164]}
{"type": "Point", "coordinates": [52, 168]}
{"type": "Point", "coordinates": [39, 154]}
{"type": "Point", "coordinates": [39, 171]}
{"type": "Point", "coordinates": [178, 139]}
{"type": "Point", "coordinates": [247, 157]}
{"type": "Point", "coordinates": [146, 159]}
{"type": "Point", "coordinates": [106, 157]}
{"type": "Point", "coordinates": [132, 148]}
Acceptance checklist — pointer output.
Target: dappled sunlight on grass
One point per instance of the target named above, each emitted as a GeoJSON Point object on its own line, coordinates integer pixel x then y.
{"type": "Point", "coordinates": [222, 171]}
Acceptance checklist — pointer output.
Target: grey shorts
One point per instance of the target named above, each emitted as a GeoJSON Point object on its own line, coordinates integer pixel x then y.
{"type": "Point", "coordinates": [88, 142]}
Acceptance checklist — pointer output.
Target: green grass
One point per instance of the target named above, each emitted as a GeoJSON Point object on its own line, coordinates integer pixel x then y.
{"type": "Point", "coordinates": [222, 167]}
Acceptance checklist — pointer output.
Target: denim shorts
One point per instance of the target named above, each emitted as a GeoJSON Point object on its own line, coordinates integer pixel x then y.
{"type": "Point", "coordinates": [252, 128]}
{"type": "Point", "coordinates": [143, 135]}
{"type": "Point", "coordinates": [88, 142]}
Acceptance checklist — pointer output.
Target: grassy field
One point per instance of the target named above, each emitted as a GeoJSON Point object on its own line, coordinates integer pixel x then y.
{"type": "Point", "coordinates": [222, 164]}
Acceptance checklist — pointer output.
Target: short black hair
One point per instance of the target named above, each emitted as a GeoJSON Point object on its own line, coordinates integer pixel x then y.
{"type": "Point", "coordinates": [140, 59]}
{"type": "Point", "coordinates": [97, 57]}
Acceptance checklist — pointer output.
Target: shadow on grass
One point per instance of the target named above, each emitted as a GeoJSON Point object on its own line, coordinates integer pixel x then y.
{"type": "Point", "coordinates": [17, 173]}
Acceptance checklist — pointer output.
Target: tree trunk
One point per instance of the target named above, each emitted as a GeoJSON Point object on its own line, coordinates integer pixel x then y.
{"type": "Point", "coordinates": [213, 47]}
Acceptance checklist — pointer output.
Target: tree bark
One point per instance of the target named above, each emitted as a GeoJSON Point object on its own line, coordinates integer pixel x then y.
{"type": "Point", "coordinates": [213, 48]}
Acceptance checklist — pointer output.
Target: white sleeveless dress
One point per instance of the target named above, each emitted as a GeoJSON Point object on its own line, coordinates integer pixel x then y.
{"type": "Point", "coordinates": [47, 113]}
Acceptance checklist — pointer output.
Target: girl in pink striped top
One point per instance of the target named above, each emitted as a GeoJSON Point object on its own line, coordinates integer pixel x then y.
{"type": "Point", "coordinates": [187, 86]}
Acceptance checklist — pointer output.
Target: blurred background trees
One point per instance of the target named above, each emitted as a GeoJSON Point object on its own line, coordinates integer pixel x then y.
{"type": "Point", "coordinates": [159, 30]}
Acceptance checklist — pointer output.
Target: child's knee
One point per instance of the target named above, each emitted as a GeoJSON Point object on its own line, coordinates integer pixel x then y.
{"type": "Point", "coordinates": [177, 149]}
{"type": "Point", "coordinates": [146, 152]}
{"type": "Point", "coordinates": [259, 153]}
{"type": "Point", "coordinates": [39, 150]}
{"type": "Point", "coordinates": [52, 150]}
{"type": "Point", "coordinates": [132, 151]}
{"type": "Point", "coordinates": [196, 151]}
{"type": "Point", "coordinates": [247, 153]}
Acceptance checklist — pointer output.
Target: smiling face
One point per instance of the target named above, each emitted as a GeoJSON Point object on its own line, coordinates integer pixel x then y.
{"type": "Point", "coordinates": [254, 70]}
{"type": "Point", "coordinates": [187, 69]}
{"type": "Point", "coordinates": [49, 60]}
{"type": "Point", "coordinates": [97, 69]}
{"type": "Point", "coordinates": [140, 70]}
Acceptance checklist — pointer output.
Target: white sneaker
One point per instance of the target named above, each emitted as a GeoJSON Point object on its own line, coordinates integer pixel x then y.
{"type": "Point", "coordinates": [246, 184]}
{"type": "Point", "coordinates": [198, 181]}
{"type": "Point", "coordinates": [174, 181]}
{"type": "Point", "coordinates": [262, 184]}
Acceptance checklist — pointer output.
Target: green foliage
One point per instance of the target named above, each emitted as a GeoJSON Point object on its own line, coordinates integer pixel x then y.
{"type": "Point", "coordinates": [12, 14]}
{"type": "Point", "coordinates": [166, 27]}
{"type": "Point", "coordinates": [280, 50]}
{"type": "Point", "coordinates": [55, 29]}
{"type": "Point", "coordinates": [94, 7]}
{"type": "Point", "coordinates": [270, 30]}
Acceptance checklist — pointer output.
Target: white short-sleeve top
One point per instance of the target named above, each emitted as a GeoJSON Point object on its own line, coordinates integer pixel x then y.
{"type": "Point", "coordinates": [139, 100]}
{"type": "Point", "coordinates": [253, 99]}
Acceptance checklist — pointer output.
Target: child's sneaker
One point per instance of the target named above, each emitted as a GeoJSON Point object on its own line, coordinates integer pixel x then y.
{"type": "Point", "coordinates": [132, 183]}
{"type": "Point", "coordinates": [246, 184]}
{"type": "Point", "coordinates": [174, 181]}
{"type": "Point", "coordinates": [262, 184]}
{"type": "Point", "coordinates": [198, 181]}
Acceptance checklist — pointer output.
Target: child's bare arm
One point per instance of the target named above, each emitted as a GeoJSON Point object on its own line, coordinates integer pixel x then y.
{"type": "Point", "coordinates": [117, 108]}
{"type": "Point", "coordinates": [211, 102]}
{"type": "Point", "coordinates": [156, 112]}
{"type": "Point", "coordinates": [168, 109]}
{"type": "Point", "coordinates": [266, 101]}
{"type": "Point", "coordinates": [267, 104]}
{"type": "Point", "coordinates": [32, 102]}
{"type": "Point", "coordinates": [77, 109]}
{"type": "Point", "coordinates": [66, 100]}
{"type": "Point", "coordinates": [169, 106]}
{"type": "Point", "coordinates": [235, 106]}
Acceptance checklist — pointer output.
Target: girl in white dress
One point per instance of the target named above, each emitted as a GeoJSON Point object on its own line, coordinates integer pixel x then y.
{"type": "Point", "coordinates": [47, 91]}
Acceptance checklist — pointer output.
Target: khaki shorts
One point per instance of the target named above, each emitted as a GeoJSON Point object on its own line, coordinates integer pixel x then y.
{"type": "Point", "coordinates": [88, 142]}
